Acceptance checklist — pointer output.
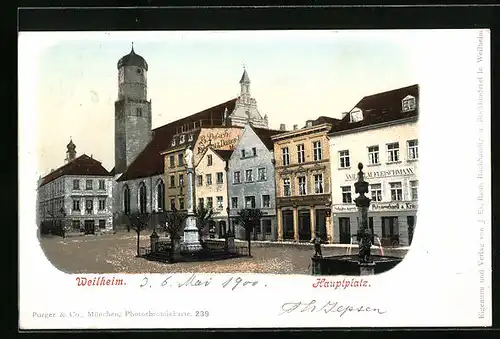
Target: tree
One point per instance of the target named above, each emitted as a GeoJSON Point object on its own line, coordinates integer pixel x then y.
{"type": "Point", "coordinates": [204, 216]}
{"type": "Point", "coordinates": [138, 222]}
{"type": "Point", "coordinates": [174, 223]}
{"type": "Point", "coordinates": [248, 218]}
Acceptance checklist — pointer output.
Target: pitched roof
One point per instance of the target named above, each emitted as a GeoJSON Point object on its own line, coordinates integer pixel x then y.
{"type": "Point", "coordinates": [325, 120]}
{"type": "Point", "coordinates": [83, 165]}
{"type": "Point", "coordinates": [265, 136]}
{"type": "Point", "coordinates": [150, 161]}
{"type": "Point", "coordinates": [223, 153]}
{"type": "Point", "coordinates": [380, 108]}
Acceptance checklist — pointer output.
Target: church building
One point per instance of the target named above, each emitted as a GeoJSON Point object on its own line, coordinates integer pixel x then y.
{"type": "Point", "coordinates": [141, 152]}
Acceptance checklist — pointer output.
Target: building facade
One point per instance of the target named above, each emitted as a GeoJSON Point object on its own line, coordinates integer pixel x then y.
{"type": "Point", "coordinates": [211, 186]}
{"type": "Point", "coordinates": [303, 182]}
{"type": "Point", "coordinates": [382, 133]}
{"type": "Point", "coordinates": [76, 197]}
{"type": "Point", "coordinates": [252, 181]}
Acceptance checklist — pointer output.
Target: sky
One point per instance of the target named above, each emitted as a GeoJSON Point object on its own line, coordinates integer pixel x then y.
{"type": "Point", "coordinates": [295, 76]}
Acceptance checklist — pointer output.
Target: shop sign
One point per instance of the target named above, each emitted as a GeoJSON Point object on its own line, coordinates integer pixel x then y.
{"type": "Point", "coordinates": [398, 172]}
{"type": "Point", "coordinates": [378, 206]}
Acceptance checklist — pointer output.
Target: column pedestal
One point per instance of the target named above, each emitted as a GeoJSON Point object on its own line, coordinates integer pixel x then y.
{"type": "Point", "coordinates": [191, 241]}
{"type": "Point", "coordinates": [366, 268]}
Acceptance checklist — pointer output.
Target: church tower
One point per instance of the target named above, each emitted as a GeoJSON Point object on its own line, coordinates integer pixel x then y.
{"type": "Point", "coordinates": [245, 111]}
{"type": "Point", "coordinates": [132, 110]}
{"type": "Point", "coordinates": [70, 151]}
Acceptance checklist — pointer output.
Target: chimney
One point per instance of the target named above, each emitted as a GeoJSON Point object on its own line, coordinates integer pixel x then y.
{"type": "Point", "coordinates": [295, 127]}
{"type": "Point", "coordinates": [344, 114]}
{"type": "Point", "coordinates": [282, 127]}
{"type": "Point", "coordinates": [309, 123]}
{"type": "Point", "coordinates": [92, 156]}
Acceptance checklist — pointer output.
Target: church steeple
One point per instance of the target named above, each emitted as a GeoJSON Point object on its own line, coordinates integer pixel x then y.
{"type": "Point", "coordinates": [70, 151]}
{"type": "Point", "coordinates": [245, 84]}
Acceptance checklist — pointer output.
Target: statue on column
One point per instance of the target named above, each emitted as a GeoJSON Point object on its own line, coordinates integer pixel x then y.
{"type": "Point", "coordinates": [188, 157]}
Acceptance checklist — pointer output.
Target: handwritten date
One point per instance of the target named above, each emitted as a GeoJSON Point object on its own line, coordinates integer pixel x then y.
{"type": "Point", "coordinates": [232, 283]}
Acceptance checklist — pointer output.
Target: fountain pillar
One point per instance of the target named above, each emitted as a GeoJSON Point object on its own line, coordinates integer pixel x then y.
{"type": "Point", "coordinates": [364, 235]}
{"type": "Point", "coordinates": [191, 242]}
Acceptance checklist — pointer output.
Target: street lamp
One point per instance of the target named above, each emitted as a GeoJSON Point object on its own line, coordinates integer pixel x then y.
{"type": "Point", "coordinates": [328, 214]}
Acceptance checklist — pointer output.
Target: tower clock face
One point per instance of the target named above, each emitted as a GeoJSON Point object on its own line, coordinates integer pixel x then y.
{"type": "Point", "coordinates": [139, 71]}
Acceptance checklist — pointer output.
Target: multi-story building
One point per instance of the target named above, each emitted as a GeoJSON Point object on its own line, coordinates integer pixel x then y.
{"type": "Point", "coordinates": [77, 196]}
{"type": "Point", "coordinates": [252, 180]}
{"type": "Point", "coordinates": [303, 181]}
{"type": "Point", "coordinates": [211, 186]}
{"type": "Point", "coordinates": [381, 132]}
{"type": "Point", "coordinates": [142, 168]}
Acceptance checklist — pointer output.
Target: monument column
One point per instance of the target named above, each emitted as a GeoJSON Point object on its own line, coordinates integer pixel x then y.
{"type": "Point", "coordinates": [191, 242]}
{"type": "Point", "coordinates": [313, 221]}
{"type": "Point", "coordinates": [280, 224]}
{"type": "Point", "coordinates": [295, 224]}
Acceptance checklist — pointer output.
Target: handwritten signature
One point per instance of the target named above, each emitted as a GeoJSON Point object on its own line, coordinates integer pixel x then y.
{"type": "Point", "coordinates": [231, 283]}
{"type": "Point", "coordinates": [328, 307]}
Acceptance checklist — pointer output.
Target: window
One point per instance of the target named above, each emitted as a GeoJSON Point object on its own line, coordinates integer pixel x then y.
{"type": "Point", "coordinates": [76, 205]}
{"type": "Point", "coordinates": [396, 191]}
{"type": "Point", "coordinates": [344, 159]}
{"type": "Point", "coordinates": [76, 184]}
{"type": "Point", "coordinates": [393, 152]}
{"type": "Point", "coordinates": [242, 153]}
{"type": "Point", "coordinates": [76, 225]}
{"type": "Point", "coordinates": [287, 188]}
{"type": "Point", "coordinates": [412, 149]}
{"type": "Point", "coordinates": [250, 202]}
{"type": "Point", "coordinates": [266, 225]}
{"type": "Point", "coordinates": [266, 201]}
{"type": "Point", "coordinates": [181, 180]}
{"type": "Point", "coordinates": [237, 177]}
{"type": "Point", "coordinates": [234, 202]}
{"type": "Point", "coordinates": [376, 190]}
{"type": "Point", "coordinates": [160, 197]}
{"type": "Point", "coordinates": [414, 189]}
{"type": "Point", "coordinates": [181, 203]}
{"type": "Point", "coordinates": [201, 202]}
{"type": "Point", "coordinates": [172, 181]}
{"type": "Point", "coordinates": [254, 151]}
{"type": "Point", "coordinates": [373, 155]}
{"type": "Point", "coordinates": [142, 198]}
{"type": "Point", "coordinates": [102, 185]}
{"type": "Point", "coordinates": [317, 151]}
{"type": "Point", "coordinates": [89, 205]}
{"type": "Point", "coordinates": [138, 111]}
{"type": "Point", "coordinates": [190, 137]}
{"type": "Point", "coordinates": [102, 204]}
{"type": "Point", "coordinates": [210, 202]}
{"type": "Point", "coordinates": [102, 224]}
{"type": "Point", "coordinates": [318, 183]}
{"type": "Point", "coordinates": [172, 161]}
{"type": "Point", "coordinates": [220, 179]}
{"type": "Point", "coordinates": [300, 153]}
{"type": "Point", "coordinates": [285, 156]}
{"type": "Point", "coordinates": [173, 141]}
{"type": "Point", "coordinates": [199, 180]}
{"type": "Point", "coordinates": [408, 104]}
{"type": "Point", "coordinates": [182, 138]}
{"type": "Point", "coordinates": [302, 185]}
{"type": "Point", "coordinates": [261, 174]}
{"type": "Point", "coordinates": [248, 175]}
{"type": "Point", "coordinates": [88, 185]}
{"type": "Point", "coordinates": [220, 202]}
{"type": "Point", "coordinates": [208, 179]}
{"type": "Point", "coordinates": [346, 194]}
{"type": "Point", "coordinates": [180, 159]}
{"type": "Point", "coordinates": [172, 204]}
{"type": "Point", "coordinates": [209, 160]}
{"type": "Point", "coordinates": [126, 200]}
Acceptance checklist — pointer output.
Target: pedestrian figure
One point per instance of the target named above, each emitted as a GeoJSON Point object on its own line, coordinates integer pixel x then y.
{"type": "Point", "coordinates": [317, 246]}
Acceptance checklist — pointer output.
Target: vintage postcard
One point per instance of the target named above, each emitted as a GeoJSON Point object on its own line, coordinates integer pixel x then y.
{"type": "Point", "coordinates": [254, 179]}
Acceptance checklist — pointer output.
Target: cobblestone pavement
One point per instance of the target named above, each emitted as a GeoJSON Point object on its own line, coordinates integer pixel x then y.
{"type": "Point", "coordinates": [115, 253]}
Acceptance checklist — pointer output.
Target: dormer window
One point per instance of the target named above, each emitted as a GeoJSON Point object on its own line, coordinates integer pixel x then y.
{"type": "Point", "coordinates": [173, 142]}
{"type": "Point", "coordinates": [181, 139]}
{"type": "Point", "coordinates": [190, 137]}
{"type": "Point", "coordinates": [356, 115]}
{"type": "Point", "coordinates": [408, 104]}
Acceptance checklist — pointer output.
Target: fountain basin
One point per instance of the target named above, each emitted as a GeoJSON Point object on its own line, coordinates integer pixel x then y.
{"type": "Point", "coordinates": [349, 264]}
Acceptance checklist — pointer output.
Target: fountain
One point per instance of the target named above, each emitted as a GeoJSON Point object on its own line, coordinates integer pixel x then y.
{"type": "Point", "coordinates": [364, 263]}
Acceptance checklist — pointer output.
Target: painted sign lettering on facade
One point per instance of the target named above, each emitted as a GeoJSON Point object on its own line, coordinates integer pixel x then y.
{"type": "Point", "coordinates": [379, 207]}
{"type": "Point", "coordinates": [218, 138]}
{"type": "Point", "coordinates": [382, 174]}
